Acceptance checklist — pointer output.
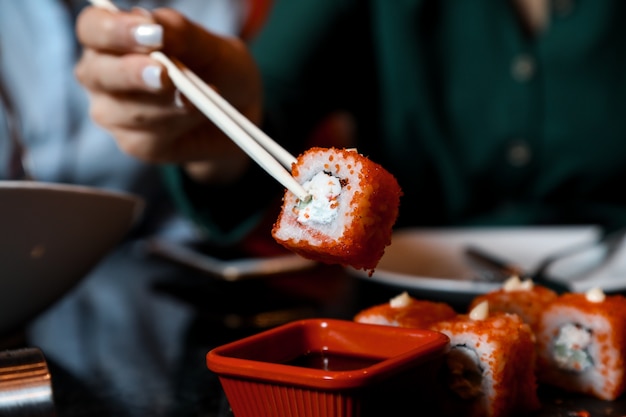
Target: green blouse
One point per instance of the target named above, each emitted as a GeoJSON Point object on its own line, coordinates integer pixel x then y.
{"type": "Point", "coordinates": [482, 123]}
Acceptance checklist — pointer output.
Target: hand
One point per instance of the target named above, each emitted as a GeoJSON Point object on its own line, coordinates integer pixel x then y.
{"type": "Point", "coordinates": [132, 97]}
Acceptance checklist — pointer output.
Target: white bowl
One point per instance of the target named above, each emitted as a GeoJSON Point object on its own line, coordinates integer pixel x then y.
{"type": "Point", "coordinates": [51, 235]}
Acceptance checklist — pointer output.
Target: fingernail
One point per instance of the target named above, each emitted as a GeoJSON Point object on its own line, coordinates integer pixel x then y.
{"type": "Point", "coordinates": [151, 76]}
{"type": "Point", "coordinates": [149, 35]}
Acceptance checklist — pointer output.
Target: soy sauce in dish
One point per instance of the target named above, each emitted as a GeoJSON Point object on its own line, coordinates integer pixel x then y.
{"type": "Point", "coordinates": [333, 361]}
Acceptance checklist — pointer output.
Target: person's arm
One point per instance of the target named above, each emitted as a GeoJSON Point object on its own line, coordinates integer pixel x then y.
{"type": "Point", "coordinates": [211, 179]}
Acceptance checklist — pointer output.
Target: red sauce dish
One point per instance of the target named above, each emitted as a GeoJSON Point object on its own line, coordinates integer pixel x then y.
{"type": "Point", "coordinates": [331, 368]}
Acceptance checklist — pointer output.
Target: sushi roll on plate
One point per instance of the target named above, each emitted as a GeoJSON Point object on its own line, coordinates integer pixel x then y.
{"type": "Point", "coordinates": [582, 344]}
{"type": "Point", "coordinates": [349, 216]}
{"type": "Point", "coordinates": [406, 311]}
{"type": "Point", "coordinates": [490, 365]}
{"type": "Point", "coordinates": [523, 298]}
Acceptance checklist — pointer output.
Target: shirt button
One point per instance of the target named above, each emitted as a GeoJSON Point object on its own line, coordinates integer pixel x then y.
{"type": "Point", "coordinates": [518, 154]}
{"type": "Point", "coordinates": [523, 68]}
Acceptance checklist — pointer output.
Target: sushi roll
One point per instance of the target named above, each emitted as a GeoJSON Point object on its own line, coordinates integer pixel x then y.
{"type": "Point", "coordinates": [406, 311]}
{"type": "Point", "coordinates": [349, 216]}
{"type": "Point", "coordinates": [523, 298]}
{"type": "Point", "coordinates": [582, 344]}
{"type": "Point", "coordinates": [490, 365]}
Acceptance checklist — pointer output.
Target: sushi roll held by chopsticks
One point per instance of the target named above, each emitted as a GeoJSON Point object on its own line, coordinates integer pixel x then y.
{"type": "Point", "coordinates": [349, 215]}
{"type": "Point", "coordinates": [582, 344]}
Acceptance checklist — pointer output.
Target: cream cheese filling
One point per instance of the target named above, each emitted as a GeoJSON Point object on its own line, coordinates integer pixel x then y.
{"type": "Point", "coordinates": [571, 348]}
{"type": "Point", "coordinates": [323, 206]}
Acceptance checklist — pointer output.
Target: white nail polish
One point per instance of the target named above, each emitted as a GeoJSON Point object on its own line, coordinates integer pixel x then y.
{"type": "Point", "coordinates": [151, 75]}
{"type": "Point", "coordinates": [149, 35]}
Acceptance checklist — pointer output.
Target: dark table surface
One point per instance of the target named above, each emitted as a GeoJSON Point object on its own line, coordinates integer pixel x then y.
{"type": "Point", "coordinates": [215, 312]}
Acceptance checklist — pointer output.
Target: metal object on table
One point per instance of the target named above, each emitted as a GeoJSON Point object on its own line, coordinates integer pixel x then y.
{"type": "Point", "coordinates": [25, 384]}
{"type": "Point", "coordinates": [505, 269]}
{"type": "Point", "coordinates": [609, 242]}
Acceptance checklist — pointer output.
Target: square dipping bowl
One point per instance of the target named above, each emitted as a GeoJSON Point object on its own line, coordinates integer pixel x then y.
{"type": "Point", "coordinates": [330, 368]}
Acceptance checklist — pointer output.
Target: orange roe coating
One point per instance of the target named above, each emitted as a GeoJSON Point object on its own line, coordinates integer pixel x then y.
{"type": "Point", "coordinates": [373, 211]}
{"type": "Point", "coordinates": [418, 314]}
{"type": "Point", "coordinates": [527, 303]}
{"type": "Point", "coordinates": [505, 347]}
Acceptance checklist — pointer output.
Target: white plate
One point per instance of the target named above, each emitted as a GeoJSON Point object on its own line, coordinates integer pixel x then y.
{"type": "Point", "coordinates": [433, 262]}
{"type": "Point", "coordinates": [51, 235]}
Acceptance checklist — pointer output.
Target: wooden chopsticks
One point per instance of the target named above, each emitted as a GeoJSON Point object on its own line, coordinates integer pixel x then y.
{"type": "Point", "coordinates": [272, 157]}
